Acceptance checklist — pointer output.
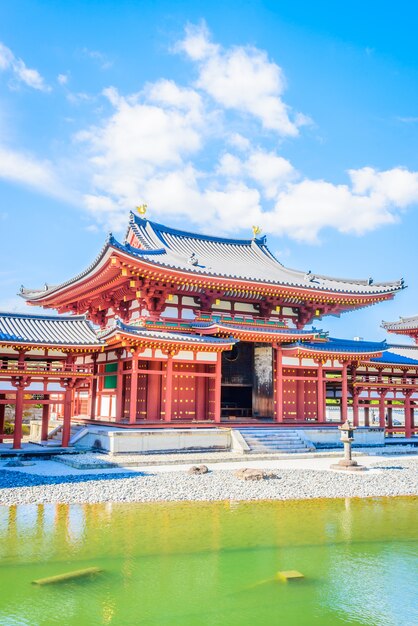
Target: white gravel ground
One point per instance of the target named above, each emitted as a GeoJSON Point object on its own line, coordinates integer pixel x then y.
{"type": "Point", "coordinates": [51, 482]}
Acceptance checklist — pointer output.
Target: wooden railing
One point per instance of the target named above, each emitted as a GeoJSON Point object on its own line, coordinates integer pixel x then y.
{"type": "Point", "coordinates": [43, 367]}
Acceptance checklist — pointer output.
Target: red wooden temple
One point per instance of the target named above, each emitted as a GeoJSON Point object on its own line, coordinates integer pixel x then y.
{"type": "Point", "coordinates": [172, 328]}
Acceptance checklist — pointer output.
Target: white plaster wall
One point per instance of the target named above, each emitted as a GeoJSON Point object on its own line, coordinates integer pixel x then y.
{"type": "Point", "coordinates": [148, 441]}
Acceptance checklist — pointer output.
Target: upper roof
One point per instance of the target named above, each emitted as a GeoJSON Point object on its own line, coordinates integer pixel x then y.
{"type": "Point", "coordinates": [63, 331]}
{"type": "Point", "coordinates": [403, 324]}
{"type": "Point", "coordinates": [245, 259]}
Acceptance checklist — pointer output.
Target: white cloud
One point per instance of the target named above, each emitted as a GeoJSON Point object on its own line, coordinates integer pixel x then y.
{"type": "Point", "coordinates": [20, 72]}
{"type": "Point", "coordinates": [21, 168]}
{"type": "Point", "coordinates": [373, 199]}
{"type": "Point", "coordinates": [242, 79]}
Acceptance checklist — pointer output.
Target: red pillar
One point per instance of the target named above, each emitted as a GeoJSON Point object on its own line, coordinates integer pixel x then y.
{"type": "Point", "coordinates": [45, 419]}
{"type": "Point", "coordinates": [320, 392]}
{"type": "Point", "coordinates": [344, 393]}
{"type": "Point", "coordinates": [382, 407]}
{"type": "Point", "coordinates": [356, 393]}
{"type": "Point", "coordinates": [218, 383]}
{"type": "Point", "coordinates": [154, 392]}
{"type": "Point", "coordinates": [300, 397]}
{"type": "Point", "coordinates": [367, 416]}
{"type": "Point", "coordinates": [17, 435]}
{"type": "Point", "coordinates": [279, 385]}
{"type": "Point", "coordinates": [93, 389]}
{"type": "Point", "coordinates": [169, 388]}
{"type": "Point", "coordinates": [407, 411]}
{"type": "Point", "coordinates": [68, 404]}
{"type": "Point", "coordinates": [200, 387]}
{"type": "Point", "coordinates": [2, 413]}
{"type": "Point", "coordinates": [119, 387]}
{"type": "Point", "coordinates": [134, 389]}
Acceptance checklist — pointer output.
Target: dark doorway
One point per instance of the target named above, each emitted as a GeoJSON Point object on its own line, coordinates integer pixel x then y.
{"type": "Point", "coordinates": [247, 382]}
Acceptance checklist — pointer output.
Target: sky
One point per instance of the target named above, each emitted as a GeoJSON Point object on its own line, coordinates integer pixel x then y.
{"type": "Point", "coordinates": [298, 117]}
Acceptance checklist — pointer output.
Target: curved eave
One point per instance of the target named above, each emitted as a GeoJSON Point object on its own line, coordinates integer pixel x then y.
{"type": "Point", "coordinates": [132, 339]}
{"type": "Point", "coordinates": [253, 334]}
{"type": "Point", "coordinates": [325, 355]}
{"type": "Point", "coordinates": [51, 346]}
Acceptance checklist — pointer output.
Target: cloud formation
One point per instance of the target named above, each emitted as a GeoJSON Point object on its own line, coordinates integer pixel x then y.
{"type": "Point", "coordinates": [208, 152]}
{"type": "Point", "coordinates": [20, 72]}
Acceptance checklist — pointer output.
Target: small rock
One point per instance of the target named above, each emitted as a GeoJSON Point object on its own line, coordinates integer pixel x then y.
{"type": "Point", "coordinates": [198, 469]}
{"type": "Point", "coordinates": [14, 463]}
{"type": "Point", "coordinates": [251, 474]}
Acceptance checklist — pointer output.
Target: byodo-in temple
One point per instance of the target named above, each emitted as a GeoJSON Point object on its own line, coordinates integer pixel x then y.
{"type": "Point", "coordinates": [175, 329]}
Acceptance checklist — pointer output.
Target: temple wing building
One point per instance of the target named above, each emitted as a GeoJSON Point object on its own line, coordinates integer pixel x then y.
{"type": "Point", "coordinates": [195, 330]}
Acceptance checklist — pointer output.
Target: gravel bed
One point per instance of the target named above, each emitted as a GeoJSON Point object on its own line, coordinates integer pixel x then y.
{"type": "Point", "coordinates": [394, 478]}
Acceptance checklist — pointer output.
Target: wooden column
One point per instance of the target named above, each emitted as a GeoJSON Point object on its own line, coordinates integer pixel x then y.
{"type": "Point", "coordinates": [154, 392]}
{"type": "Point", "coordinates": [382, 407]}
{"type": "Point", "coordinates": [407, 412]}
{"type": "Point", "coordinates": [200, 390]}
{"type": "Point", "coordinates": [45, 419]}
{"type": "Point", "coordinates": [119, 386]}
{"type": "Point", "coordinates": [218, 388]}
{"type": "Point", "coordinates": [93, 389]}
{"type": "Point", "coordinates": [2, 413]}
{"type": "Point", "coordinates": [279, 385]}
{"type": "Point", "coordinates": [68, 405]}
{"type": "Point", "coordinates": [17, 435]}
{"type": "Point", "coordinates": [344, 393]}
{"type": "Point", "coordinates": [320, 392]}
{"type": "Point", "coordinates": [134, 388]}
{"type": "Point", "coordinates": [169, 388]}
{"type": "Point", "coordinates": [356, 393]}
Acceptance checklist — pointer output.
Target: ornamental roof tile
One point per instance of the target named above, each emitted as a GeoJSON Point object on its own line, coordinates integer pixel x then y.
{"type": "Point", "coordinates": [63, 331]}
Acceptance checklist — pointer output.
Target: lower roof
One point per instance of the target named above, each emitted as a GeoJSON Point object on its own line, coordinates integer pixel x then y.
{"type": "Point", "coordinates": [47, 330]}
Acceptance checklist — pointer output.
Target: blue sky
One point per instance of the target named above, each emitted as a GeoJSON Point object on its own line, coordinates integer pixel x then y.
{"type": "Point", "coordinates": [290, 115]}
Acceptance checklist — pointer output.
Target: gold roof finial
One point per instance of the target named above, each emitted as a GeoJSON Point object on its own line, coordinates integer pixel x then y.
{"type": "Point", "coordinates": [142, 209]}
{"type": "Point", "coordinates": [256, 231]}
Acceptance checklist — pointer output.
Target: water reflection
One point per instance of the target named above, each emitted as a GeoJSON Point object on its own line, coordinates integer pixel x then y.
{"type": "Point", "coordinates": [206, 559]}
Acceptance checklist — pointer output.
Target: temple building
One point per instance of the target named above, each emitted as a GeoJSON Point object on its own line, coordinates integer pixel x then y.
{"type": "Point", "coordinates": [171, 328]}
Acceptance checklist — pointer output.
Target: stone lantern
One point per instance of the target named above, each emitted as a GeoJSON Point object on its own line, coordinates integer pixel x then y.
{"type": "Point", "coordinates": [347, 437]}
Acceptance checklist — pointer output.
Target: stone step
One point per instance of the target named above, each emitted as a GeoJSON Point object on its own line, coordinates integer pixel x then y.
{"type": "Point", "coordinates": [274, 440]}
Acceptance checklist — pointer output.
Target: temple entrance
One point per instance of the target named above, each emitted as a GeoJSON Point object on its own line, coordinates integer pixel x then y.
{"type": "Point", "coordinates": [247, 382]}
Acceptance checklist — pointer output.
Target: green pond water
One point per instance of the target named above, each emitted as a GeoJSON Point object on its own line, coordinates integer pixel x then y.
{"type": "Point", "coordinates": [212, 564]}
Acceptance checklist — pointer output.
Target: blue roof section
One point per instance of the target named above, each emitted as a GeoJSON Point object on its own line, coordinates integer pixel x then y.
{"type": "Point", "coordinates": [56, 330]}
{"type": "Point", "coordinates": [349, 346]}
{"type": "Point", "coordinates": [394, 359]}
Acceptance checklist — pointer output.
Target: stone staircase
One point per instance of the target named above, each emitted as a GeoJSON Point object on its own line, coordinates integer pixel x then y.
{"type": "Point", "coordinates": [271, 440]}
{"type": "Point", "coordinates": [55, 435]}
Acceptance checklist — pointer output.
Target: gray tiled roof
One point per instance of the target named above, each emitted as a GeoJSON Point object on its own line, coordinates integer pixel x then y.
{"type": "Point", "coordinates": [47, 330]}
{"type": "Point", "coordinates": [237, 258]}
{"type": "Point", "coordinates": [404, 323]}
{"type": "Point", "coordinates": [240, 259]}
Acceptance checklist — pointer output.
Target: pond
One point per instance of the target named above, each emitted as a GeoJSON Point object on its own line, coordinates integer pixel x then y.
{"type": "Point", "coordinates": [212, 564]}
